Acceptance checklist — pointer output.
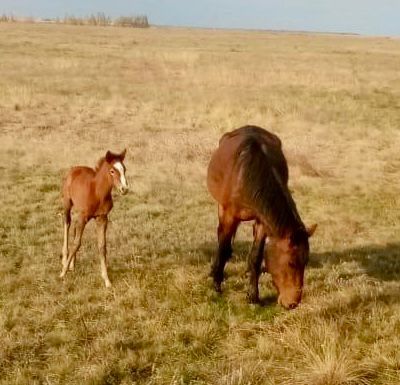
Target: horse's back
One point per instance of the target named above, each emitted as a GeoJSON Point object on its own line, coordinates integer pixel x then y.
{"type": "Point", "coordinates": [256, 132]}
{"type": "Point", "coordinates": [223, 178]}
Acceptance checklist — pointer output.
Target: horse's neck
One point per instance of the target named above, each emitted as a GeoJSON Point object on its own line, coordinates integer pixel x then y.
{"type": "Point", "coordinates": [103, 185]}
{"type": "Point", "coordinates": [289, 219]}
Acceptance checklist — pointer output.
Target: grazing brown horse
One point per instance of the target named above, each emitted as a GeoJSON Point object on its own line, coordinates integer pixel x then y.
{"type": "Point", "coordinates": [248, 177]}
{"type": "Point", "coordinates": [89, 192]}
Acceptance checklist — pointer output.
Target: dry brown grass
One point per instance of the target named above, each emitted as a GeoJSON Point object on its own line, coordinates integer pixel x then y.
{"type": "Point", "coordinates": [67, 94]}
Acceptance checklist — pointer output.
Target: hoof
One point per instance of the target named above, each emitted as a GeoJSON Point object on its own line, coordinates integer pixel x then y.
{"type": "Point", "coordinates": [253, 298]}
{"type": "Point", "coordinates": [62, 274]}
{"type": "Point", "coordinates": [217, 287]}
{"type": "Point", "coordinates": [107, 283]}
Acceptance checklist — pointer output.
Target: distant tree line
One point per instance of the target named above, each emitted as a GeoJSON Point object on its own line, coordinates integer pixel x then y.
{"type": "Point", "coordinates": [100, 19]}
{"type": "Point", "coordinates": [7, 18]}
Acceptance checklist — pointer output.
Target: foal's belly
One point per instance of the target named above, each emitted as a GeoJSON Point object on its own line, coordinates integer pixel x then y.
{"type": "Point", "coordinates": [91, 208]}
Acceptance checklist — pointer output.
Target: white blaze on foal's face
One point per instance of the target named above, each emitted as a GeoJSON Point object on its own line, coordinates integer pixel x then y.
{"type": "Point", "coordinates": [123, 186]}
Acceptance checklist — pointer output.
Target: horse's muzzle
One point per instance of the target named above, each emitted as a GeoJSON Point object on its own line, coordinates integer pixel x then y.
{"type": "Point", "coordinates": [288, 305]}
{"type": "Point", "coordinates": [291, 302]}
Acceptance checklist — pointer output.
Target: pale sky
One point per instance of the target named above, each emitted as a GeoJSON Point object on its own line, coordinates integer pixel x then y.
{"type": "Point", "coordinates": [369, 17]}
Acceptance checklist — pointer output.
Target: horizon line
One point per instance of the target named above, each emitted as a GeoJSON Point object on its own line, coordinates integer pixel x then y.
{"type": "Point", "coordinates": [53, 20]}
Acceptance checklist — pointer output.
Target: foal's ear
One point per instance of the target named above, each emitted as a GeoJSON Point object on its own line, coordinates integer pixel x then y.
{"type": "Point", "coordinates": [109, 156]}
{"type": "Point", "coordinates": [311, 229]}
{"type": "Point", "coordinates": [122, 155]}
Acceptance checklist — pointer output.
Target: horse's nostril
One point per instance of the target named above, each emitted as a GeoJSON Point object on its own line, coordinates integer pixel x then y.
{"type": "Point", "coordinates": [292, 306]}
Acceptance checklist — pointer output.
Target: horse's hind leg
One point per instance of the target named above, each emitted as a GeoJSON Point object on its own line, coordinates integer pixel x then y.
{"type": "Point", "coordinates": [67, 224]}
{"type": "Point", "coordinates": [255, 261]}
{"type": "Point", "coordinates": [80, 226]}
{"type": "Point", "coordinates": [102, 222]}
{"type": "Point", "coordinates": [226, 230]}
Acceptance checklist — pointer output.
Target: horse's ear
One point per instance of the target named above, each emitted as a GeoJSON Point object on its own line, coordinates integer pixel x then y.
{"type": "Point", "coordinates": [311, 229]}
{"type": "Point", "coordinates": [122, 155]}
{"type": "Point", "coordinates": [109, 156]}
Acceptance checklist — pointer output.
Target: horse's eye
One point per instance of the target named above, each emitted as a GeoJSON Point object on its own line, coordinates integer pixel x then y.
{"type": "Point", "coordinates": [112, 171]}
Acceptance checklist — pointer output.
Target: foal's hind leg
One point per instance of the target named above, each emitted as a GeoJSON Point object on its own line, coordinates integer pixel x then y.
{"type": "Point", "coordinates": [226, 230]}
{"type": "Point", "coordinates": [255, 260]}
{"type": "Point", "coordinates": [74, 236]}
{"type": "Point", "coordinates": [102, 222]}
{"type": "Point", "coordinates": [80, 226]}
{"type": "Point", "coordinates": [67, 224]}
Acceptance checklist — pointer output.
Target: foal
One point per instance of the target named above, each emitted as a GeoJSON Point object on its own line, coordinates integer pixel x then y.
{"type": "Point", "coordinates": [89, 192]}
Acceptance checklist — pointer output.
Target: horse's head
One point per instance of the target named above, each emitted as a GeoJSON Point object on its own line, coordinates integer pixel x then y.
{"type": "Point", "coordinates": [116, 170]}
{"type": "Point", "coordinates": [286, 259]}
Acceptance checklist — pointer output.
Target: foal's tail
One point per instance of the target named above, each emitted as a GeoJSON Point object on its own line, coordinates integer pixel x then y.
{"type": "Point", "coordinates": [65, 191]}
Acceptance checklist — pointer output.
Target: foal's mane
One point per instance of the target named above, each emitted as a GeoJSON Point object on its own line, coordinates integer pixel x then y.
{"type": "Point", "coordinates": [264, 188]}
{"type": "Point", "coordinates": [99, 163]}
{"type": "Point", "coordinates": [110, 157]}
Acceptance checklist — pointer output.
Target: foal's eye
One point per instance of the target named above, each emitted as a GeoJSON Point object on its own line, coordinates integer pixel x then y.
{"type": "Point", "coordinates": [112, 172]}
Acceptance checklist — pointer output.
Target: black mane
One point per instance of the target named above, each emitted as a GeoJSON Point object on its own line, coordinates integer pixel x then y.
{"type": "Point", "coordinates": [265, 191]}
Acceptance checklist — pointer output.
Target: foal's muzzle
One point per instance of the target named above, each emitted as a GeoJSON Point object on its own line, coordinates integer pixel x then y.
{"type": "Point", "coordinates": [123, 190]}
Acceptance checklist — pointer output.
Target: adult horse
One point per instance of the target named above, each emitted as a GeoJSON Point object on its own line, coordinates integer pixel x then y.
{"type": "Point", "coordinates": [89, 192]}
{"type": "Point", "coordinates": [248, 177]}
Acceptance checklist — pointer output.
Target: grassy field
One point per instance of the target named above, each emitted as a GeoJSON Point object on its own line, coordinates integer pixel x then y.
{"type": "Point", "coordinates": [68, 94]}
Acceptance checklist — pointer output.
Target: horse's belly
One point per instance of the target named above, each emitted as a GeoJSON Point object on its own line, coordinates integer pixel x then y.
{"type": "Point", "coordinates": [223, 180]}
{"type": "Point", "coordinates": [219, 177]}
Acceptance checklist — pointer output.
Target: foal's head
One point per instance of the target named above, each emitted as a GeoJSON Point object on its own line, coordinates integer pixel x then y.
{"type": "Point", "coordinates": [286, 259]}
{"type": "Point", "coordinates": [116, 170]}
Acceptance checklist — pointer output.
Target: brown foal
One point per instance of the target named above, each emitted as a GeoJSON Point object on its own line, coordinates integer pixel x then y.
{"type": "Point", "coordinates": [89, 192]}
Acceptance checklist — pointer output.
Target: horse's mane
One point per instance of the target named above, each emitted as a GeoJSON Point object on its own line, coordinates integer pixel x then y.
{"type": "Point", "coordinates": [263, 187]}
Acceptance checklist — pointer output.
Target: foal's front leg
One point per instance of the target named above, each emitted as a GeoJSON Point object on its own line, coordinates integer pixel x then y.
{"type": "Point", "coordinates": [255, 260]}
{"type": "Point", "coordinates": [102, 222]}
{"type": "Point", "coordinates": [80, 226]}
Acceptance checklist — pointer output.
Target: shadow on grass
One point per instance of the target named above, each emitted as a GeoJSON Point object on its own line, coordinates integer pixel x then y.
{"type": "Point", "coordinates": [241, 250]}
{"type": "Point", "coordinates": [380, 262]}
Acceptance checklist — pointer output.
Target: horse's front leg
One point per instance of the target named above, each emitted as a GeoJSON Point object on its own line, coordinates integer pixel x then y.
{"type": "Point", "coordinates": [226, 230]}
{"type": "Point", "coordinates": [102, 222]}
{"type": "Point", "coordinates": [254, 262]}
